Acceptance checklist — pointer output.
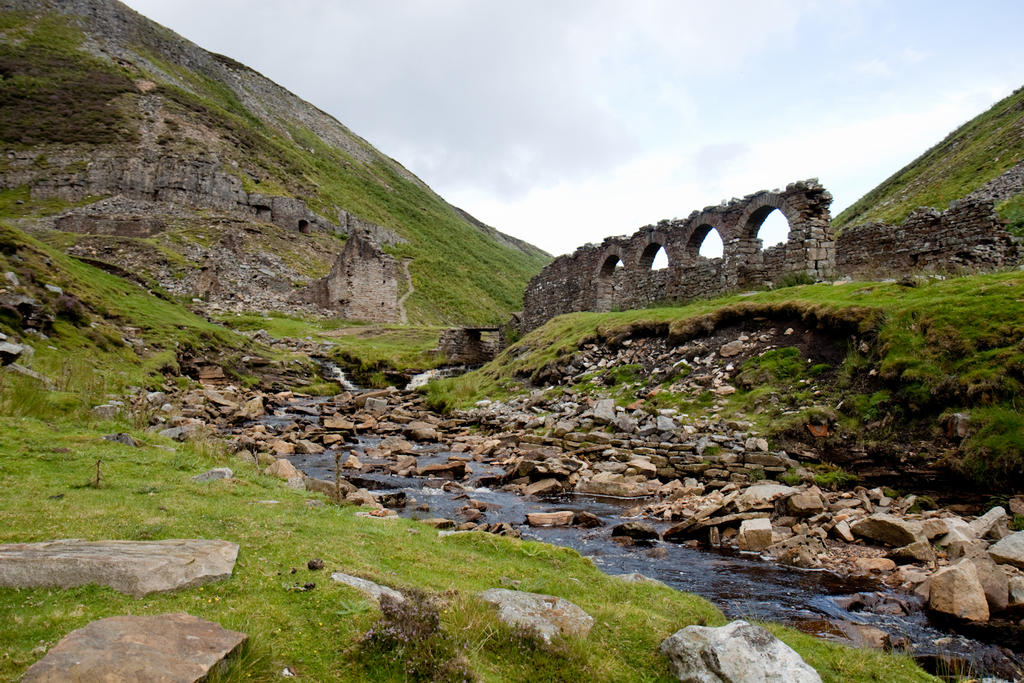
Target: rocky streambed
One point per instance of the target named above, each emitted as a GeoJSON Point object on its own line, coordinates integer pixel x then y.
{"type": "Point", "coordinates": [690, 504]}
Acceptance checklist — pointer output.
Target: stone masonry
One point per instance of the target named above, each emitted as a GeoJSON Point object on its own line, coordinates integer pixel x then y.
{"type": "Point", "coordinates": [471, 345]}
{"type": "Point", "coordinates": [968, 237]}
{"type": "Point", "coordinates": [617, 274]}
{"type": "Point", "coordinates": [362, 284]}
{"type": "Point", "coordinates": [591, 278]}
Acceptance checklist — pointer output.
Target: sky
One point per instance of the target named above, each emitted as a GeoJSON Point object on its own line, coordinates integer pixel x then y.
{"type": "Point", "coordinates": [562, 122]}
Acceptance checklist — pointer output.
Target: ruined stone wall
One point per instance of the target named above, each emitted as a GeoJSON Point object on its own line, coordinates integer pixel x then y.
{"type": "Point", "coordinates": [589, 279]}
{"type": "Point", "coordinates": [968, 237]}
{"type": "Point", "coordinates": [471, 345]}
{"type": "Point", "coordinates": [362, 284]}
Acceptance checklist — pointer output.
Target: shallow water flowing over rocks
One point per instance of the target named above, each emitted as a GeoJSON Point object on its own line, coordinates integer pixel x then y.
{"type": "Point", "coordinates": [759, 550]}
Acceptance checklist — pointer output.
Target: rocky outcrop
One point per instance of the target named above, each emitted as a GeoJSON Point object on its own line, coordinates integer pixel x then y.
{"type": "Point", "coordinates": [166, 647]}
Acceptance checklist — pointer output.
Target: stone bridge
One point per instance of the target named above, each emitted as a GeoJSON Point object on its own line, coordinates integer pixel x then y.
{"type": "Point", "coordinates": [617, 273]}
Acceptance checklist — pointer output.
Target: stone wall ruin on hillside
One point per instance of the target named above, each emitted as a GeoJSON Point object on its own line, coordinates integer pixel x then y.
{"type": "Point", "coordinates": [362, 284]}
{"type": "Point", "coordinates": [617, 274]}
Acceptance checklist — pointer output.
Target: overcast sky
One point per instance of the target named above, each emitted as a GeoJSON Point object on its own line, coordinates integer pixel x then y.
{"type": "Point", "coordinates": [565, 121]}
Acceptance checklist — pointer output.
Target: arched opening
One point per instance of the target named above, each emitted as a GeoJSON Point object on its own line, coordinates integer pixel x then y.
{"type": "Point", "coordinates": [705, 241]}
{"type": "Point", "coordinates": [304, 226]}
{"type": "Point", "coordinates": [769, 225]}
{"type": "Point", "coordinates": [654, 257]}
{"type": "Point", "coordinates": [611, 264]}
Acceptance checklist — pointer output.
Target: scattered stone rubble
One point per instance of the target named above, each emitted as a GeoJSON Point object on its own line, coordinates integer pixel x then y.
{"type": "Point", "coordinates": [692, 483]}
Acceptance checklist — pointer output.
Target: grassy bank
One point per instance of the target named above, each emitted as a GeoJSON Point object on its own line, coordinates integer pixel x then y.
{"type": "Point", "coordinates": [932, 346]}
{"type": "Point", "coordinates": [46, 470]}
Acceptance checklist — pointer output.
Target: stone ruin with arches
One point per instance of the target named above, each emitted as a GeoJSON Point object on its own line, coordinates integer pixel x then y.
{"type": "Point", "coordinates": [617, 274]}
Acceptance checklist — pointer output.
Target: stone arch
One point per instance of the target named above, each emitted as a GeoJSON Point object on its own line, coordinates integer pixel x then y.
{"type": "Point", "coordinates": [758, 209]}
{"type": "Point", "coordinates": [654, 243]}
{"type": "Point", "coordinates": [303, 226]}
{"type": "Point", "coordinates": [697, 237]}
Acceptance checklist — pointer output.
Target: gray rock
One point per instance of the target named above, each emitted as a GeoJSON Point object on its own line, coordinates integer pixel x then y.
{"type": "Point", "coordinates": [376, 405]}
{"type": "Point", "coordinates": [421, 431]}
{"type": "Point", "coordinates": [664, 423]}
{"type": "Point", "coordinates": [1015, 585]}
{"type": "Point", "coordinates": [604, 411]}
{"type": "Point", "coordinates": [214, 474]}
{"type": "Point", "coordinates": [134, 567]}
{"type": "Point", "coordinates": [547, 615]}
{"type": "Point", "coordinates": [888, 529]}
{"type": "Point", "coordinates": [165, 647]}
{"type": "Point", "coordinates": [1010, 550]}
{"type": "Point", "coordinates": [9, 352]}
{"type": "Point", "coordinates": [108, 411]}
{"type": "Point", "coordinates": [122, 438]}
{"type": "Point", "coordinates": [984, 524]}
{"type": "Point", "coordinates": [736, 653]}
{"type": "Point", "coordinates": [624, 423]}
{"type": "Point", "coordinates": [372, 590]}
{"type": "Point", "coordinates": [156, 398]}
{"type": "Point", "coordinates": [762, 496]}
{"type": "Point", "coordinates": [637, 577]}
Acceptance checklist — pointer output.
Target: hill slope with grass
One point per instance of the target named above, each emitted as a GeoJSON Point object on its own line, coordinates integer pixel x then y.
{"type": "Point", "coordinates": [974, 154]}
{"type": "Point", "coordinates": [99, 103]}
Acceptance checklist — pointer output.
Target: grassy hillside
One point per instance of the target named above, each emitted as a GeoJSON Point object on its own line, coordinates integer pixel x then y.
{"type": "Point", "coordinates": [970, 156]}
{"type": "Point", "coordinates": [932, 349]}
{"type": "Point", "coordinates": [64, 101]}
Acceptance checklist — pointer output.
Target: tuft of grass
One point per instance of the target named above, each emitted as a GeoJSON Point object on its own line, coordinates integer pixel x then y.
{"type": "Point", "coordinates": [1012, 211]}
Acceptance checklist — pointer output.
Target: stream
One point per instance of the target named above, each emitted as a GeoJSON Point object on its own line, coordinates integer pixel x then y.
{"type": "Point", "coordinates": [741, 584]}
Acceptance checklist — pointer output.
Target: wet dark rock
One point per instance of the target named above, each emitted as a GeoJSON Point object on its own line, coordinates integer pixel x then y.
{"type": "Point", "coordinates": [638, 531]}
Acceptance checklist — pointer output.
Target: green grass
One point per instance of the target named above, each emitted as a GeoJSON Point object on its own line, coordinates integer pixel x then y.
{"type": "Point", "coordinates": [1012, 211]}
{"type": "Point", "coordinates": [976, 152]}
{"type": "Point", "coordinates": [55, 92]}
{"type": "Point", "coordinates": [942, 345]}
{"type": "Point", "coordinates": [147, 494]}
{"type": "Point", "coordinates": [86, 355]}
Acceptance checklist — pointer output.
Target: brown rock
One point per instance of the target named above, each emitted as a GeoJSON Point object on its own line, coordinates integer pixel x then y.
{"type": "Point", "coordinates": [162, 648]}
{"type": "Point", "coordinates": [338, 422]}
{"type": "Point", "coordinates": [453, 469]}
{"type": "Point", "coordinates": [755, 534]}
{"type": "Point", "coordinates": [282, 468]}
{"type": "Point", "coordinates": [542, 486]}
{"type": "Point", "coordinates": [733, 348]}
{"type": "Point", "coordinates": [635, 530]}
{"type": "Point", "coordinates": [874, 564]}
{"type": "Point", "coordinates": [804, 504]}
{"type": "Point", "coordinates": [957, 591]}
{"type": "Point", "coordinates": [281, 447]}
{"type": "Point", "coordinates": [918, 551]}
{"type": "Point", "coordinates": [422, 431]}
{"type": "Point", "coordinates": [307, 447]}
{"type": "Point", "coordinates": [887, 529]}
{"type": "Point", "coordinates": [559, 518]}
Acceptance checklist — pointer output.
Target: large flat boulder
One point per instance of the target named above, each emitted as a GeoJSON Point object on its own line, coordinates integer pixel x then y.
{"type": "Point", "coordinates": [133, 567]}
{"type": "Point", "coordinates": [888, 529]}
{"type": "Point", "coordinates": [735, 653]}
{"type": "Point", "coordinates": [1010, 550]}
{"type": "Point", "coordinates": [762, 496]}
{"type": "Point", "coordinates": [547, 615]}
{"type": "Point", "coordinates": [167, 648]}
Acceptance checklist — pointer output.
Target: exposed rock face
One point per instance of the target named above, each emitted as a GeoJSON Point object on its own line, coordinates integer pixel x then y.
{"type": "Point", "coordinates": [362, 284]}
{"type": "Point", "coordinates": [887, 529]}
{"type": "Point", "coordinates": [133, 567]}
{"type": "Point", "coordinates": [755, 534]}
{"type": "Point", "coordinates": [548, 615]}
{"type": "Point", "coordinates": [736, 653]}
{"type": "Point", "coordinates": [168, 647]}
